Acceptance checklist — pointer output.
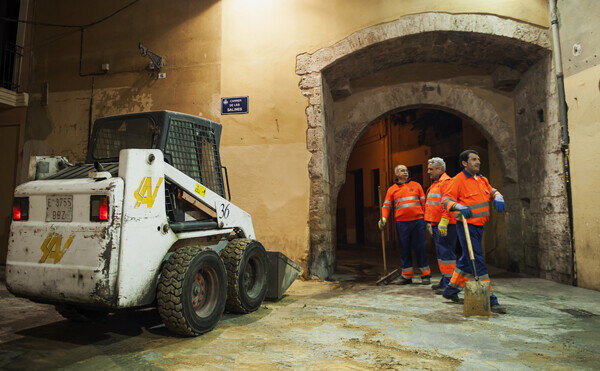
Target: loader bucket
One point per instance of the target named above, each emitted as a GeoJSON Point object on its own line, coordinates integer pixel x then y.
{"type": "Point", "coordinates": [282, 273]}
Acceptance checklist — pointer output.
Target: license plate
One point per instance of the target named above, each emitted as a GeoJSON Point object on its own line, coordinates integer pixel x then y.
{"type": "Point", "coordinates": [59, 208]}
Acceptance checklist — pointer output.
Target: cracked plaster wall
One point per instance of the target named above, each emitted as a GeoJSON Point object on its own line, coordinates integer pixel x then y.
{"type": "Point", "coordinates": [60, 127]}
{"type": "Point", "coordinates": [579, 30]}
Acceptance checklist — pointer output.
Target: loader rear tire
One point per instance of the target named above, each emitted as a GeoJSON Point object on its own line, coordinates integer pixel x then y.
{"type": "Point", "coordinates": [77, 314]}
{"type": "Point", "coordinates": [246, 263]}
{"type": "Point", "coordinates": [192, 290]}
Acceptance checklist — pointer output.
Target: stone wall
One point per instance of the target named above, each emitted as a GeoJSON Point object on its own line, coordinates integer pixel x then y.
{"type": "Point", "coordinates": [322, 208]}
{"type": "Point", "coordinates": [544, 241]}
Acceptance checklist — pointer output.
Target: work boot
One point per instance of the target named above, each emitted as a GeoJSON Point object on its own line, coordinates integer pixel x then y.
{"type": "Point", "coordinates": [454, 299]}
{"type": "Point", "coordinates": [404, 281]}
{"type": "Point", "coordinates": [498, 309]}
{"type": "Point", "coordinates": [436, 287]}
{"type": "Point", "coordinates": [439, 291]}
{"type": "Point", "coordinates": [425, 280]}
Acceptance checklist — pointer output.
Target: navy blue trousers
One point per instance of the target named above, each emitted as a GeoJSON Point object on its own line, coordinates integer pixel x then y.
{"type": "Point", "coordinates": [412, 234]}
{"type": "Point", "coordinates": [445, 249]}
{"type": "Point", "coordinates": [463, 271]}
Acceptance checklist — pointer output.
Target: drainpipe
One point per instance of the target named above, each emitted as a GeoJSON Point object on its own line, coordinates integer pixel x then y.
{"type": "Point", "coordinates": [564, 126]}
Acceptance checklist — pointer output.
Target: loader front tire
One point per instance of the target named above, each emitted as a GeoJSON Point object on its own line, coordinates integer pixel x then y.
{"type": "Point", "coordinates": [246, 263]}
{"type": "Point", "coordinates": [192, 290]}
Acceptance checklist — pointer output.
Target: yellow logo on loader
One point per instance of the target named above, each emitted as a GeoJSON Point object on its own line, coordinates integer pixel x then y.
{"type": "Point", "coordinates": [144, 195]}
{"type": "Point", "coordinates": [51, 247]}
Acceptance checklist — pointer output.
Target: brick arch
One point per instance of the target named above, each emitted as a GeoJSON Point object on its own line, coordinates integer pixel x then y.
{"type": "Point", "coordinates": [508, 42]}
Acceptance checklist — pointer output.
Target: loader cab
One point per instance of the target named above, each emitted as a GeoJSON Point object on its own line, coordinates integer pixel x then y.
{"type": "Point", "coordinates": [189, 143]}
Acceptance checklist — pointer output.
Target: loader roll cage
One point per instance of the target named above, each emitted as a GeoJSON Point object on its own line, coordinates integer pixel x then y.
{"type": "Point", "coordinates": [189, 143]}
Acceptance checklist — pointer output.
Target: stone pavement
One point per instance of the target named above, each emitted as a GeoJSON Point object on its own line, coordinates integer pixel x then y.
{"type": "Point", "coordinates": [346, 324]}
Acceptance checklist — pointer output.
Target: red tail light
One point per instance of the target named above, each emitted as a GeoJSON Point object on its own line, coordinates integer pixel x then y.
{"type": "Point", "coordinates": [21, 208]}
{"type": "Point", "coordinates": [104, 209]}
{"type": "Point", "coordinates": [17, 212]}
{"type": "Point", "coordinates": [99, 208]}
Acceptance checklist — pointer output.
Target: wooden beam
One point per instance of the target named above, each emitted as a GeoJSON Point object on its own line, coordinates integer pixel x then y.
{"type": "Point", "coordinates": [197, 204]}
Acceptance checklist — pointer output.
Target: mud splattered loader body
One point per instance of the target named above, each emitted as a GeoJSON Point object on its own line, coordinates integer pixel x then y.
{"type": "Point", "coordinates": [145, 221]}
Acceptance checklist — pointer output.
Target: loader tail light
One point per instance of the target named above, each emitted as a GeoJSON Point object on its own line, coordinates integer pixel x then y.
{"type": "Point", "coordinates": [21, 208]}
{"type": "Point", "coordinates": [99, 208]}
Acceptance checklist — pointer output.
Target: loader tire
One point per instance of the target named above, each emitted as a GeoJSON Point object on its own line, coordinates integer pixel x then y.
{"type": "Point", "coordinates": [246, 263]}
{"type": "Point", "coordinates": [192, 290]}
{"type": "Point", "coordinates": [76, 314]}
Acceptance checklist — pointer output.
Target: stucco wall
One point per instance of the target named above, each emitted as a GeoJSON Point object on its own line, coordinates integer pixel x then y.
{"type": "Point", "coordinates": [583, 99]}
{"type": "Point", "coordinates": [186, 33]}
{"type": "Point", "coordinates": [579, 28]}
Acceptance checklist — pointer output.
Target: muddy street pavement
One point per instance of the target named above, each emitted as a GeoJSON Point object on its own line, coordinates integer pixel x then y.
{"type": "Point", "coordinates": [346, 324]}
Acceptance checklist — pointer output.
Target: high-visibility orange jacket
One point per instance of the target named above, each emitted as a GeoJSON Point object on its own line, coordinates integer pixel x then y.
{"type": "Point", "coordinates": [473, 191]}
{"type": "Point", "coordinates": [433, 203]}
{"type": "Point", "coordinates": [407, 200]}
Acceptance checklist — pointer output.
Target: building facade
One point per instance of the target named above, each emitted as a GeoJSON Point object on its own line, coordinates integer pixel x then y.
{"type": "Point", "coordinates": [319, 75]}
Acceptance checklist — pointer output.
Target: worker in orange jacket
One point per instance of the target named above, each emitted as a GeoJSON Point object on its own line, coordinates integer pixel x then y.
{"type": "Point", "coordinates": [407, 200]}
{"type": "Point", "coordinates": [470, 194]}
{"type": "Point", "coordinates": [440, 222]}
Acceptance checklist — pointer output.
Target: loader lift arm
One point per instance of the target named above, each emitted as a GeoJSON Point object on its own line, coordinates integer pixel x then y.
{"type": "Point", "coordinates": [227, 214]}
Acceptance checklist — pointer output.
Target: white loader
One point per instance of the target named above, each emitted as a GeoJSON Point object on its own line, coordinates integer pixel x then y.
{"type": "Point", "coordinates": [143, 222]}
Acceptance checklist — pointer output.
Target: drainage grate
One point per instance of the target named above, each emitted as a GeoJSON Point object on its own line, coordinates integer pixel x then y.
{"type": "Point", "coordinates": [579, 313]}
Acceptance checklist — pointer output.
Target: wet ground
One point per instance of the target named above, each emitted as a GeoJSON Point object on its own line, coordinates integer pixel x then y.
{"type": "Point", "coordinates": [344, 324]}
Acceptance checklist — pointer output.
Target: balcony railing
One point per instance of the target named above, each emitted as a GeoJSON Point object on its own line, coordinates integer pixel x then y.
{"type": "Point", "coordinates": [10, 66]}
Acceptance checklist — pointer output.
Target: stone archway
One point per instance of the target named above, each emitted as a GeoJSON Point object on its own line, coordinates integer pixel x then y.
{"type": "Point", "coordinates": [486, 41]}
{"type": "Point", "coordinates": [455, 99]}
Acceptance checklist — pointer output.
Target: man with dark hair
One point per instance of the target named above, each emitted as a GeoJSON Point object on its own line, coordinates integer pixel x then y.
{"type": "Point", "coordinates": [407, 200]}
{"type": "Point", "coordinates": [469, 193]}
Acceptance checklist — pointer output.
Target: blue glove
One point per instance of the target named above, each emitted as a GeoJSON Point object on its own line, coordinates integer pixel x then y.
{"type": "Point", "coordinates": [463, 210]}
{"type": "Point", "coordinates": [499, 203]}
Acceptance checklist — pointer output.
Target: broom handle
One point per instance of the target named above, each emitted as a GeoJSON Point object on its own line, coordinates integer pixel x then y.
{"type": "Point", "coordinates": [382, 231]}
{"type": "Point", "coordinates": [470, 247]}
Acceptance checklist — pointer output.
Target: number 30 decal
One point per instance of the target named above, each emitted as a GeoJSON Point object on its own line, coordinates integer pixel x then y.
{"type": "Point", "coordinates": [224, 211]}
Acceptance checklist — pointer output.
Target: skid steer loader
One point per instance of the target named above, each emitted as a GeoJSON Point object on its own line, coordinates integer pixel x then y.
{"type": "Point", "coordinates": [144, 221]}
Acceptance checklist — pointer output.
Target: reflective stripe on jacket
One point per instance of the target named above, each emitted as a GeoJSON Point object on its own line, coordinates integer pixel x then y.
{"type": "Point", "coordinates": [407, 201]}
{"type": "Point", "coordinates": [473, 191]}
{"type": "Point", "coordinates": [433, 203]}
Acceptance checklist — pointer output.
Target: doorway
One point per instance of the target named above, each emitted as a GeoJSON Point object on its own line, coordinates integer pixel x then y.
{"type": "Point", "coordinates": [409, 137]}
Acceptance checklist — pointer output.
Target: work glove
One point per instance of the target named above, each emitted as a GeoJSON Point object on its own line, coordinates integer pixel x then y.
{"type": "Point", "coordinates": [463, 210]}
{"type": "Point", "coordinates": [381, 223]}
{"type": "Point", "coordinates": [429, 229]}
{"type": "Point", "coordinates": [443, 227]}
{"type": "Point", "coordinates": [499, 204]}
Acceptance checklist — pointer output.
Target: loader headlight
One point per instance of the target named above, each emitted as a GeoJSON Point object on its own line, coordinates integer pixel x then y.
{"type": "Point", "coordinates": [99, 208]}
{"type": "Point", "coordinates": [21, 208]}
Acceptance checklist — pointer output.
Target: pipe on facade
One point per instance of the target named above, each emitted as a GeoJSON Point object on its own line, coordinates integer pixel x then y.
{"type": "Point", "coordinates": [564, 126]}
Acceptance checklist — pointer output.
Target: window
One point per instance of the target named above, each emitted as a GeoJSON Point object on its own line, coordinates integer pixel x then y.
{"type": "Point", "coordinates": [113, 136]}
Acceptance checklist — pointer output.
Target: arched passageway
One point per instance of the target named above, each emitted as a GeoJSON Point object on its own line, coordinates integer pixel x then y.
{"type": "Point", "coordinates": [494, 71]}
{"type": "Point", "coordinates": [409, 137]}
